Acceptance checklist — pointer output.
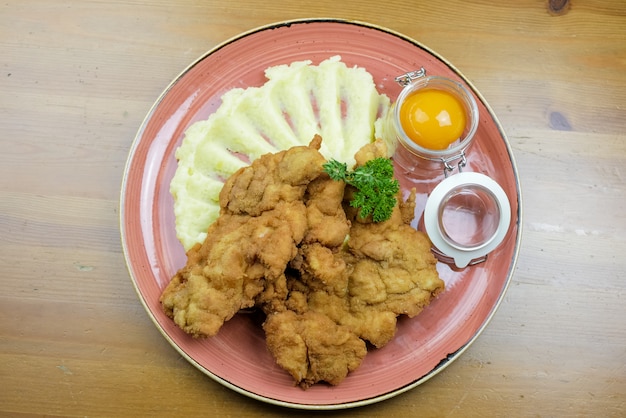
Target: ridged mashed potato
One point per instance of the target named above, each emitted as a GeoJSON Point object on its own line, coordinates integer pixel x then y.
{"type": "Point", "coordinates": [298, 101]}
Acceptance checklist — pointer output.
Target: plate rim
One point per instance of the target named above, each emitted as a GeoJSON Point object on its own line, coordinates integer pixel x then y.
{"type": "Point", "coordinates": [444, 363]}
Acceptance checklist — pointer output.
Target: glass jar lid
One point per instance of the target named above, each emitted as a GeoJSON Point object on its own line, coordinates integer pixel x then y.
{"type": "Point", "coordinates": [466, 216]}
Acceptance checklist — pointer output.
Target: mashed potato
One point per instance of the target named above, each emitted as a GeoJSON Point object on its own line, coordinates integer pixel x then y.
{"type": "Point", "coordinates": [298, 101]}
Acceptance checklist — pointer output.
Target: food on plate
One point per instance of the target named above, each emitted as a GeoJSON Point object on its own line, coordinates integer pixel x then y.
{"type": "Point", "coordinates": [289, 242]}
{"type": "Point", "coordinates": [376, 189]}
{"type": "Point", "coordinates": [433, 118]}
{"type": "Point", "coordinates": [390, 272]}
{"type": "Point", "coordinates": [263, 219]}
{"type": "Point", "coordinates": [312, 348]}
{"type": "Point", "coordinates": [296, 102]}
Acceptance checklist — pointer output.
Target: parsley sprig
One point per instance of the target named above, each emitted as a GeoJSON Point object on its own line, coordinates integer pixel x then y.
{"type": "Point", "coordinates": [375, 184]}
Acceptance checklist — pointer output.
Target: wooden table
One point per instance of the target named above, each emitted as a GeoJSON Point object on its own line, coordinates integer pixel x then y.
{"type": "Point", "coordinates": [77, 79]}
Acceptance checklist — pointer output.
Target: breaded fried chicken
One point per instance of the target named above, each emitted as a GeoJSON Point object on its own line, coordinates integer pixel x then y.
{"type": "Point", "coordinates": [263, 220]}
{"type": "Point", "coordinates": [385, 270]}
{"type": "Point", "coordinates": [313, 348]}
{"type": "Point", "coordinates": [329, 281]}
{"type": "Point", "coordinates": [392, 272]}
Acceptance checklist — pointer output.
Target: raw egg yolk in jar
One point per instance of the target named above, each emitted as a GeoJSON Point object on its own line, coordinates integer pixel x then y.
{"type": "Point", "coordinates": [432, 118]}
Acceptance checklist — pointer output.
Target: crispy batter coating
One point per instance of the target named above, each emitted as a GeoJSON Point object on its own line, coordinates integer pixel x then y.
{"type": "Point", "coordinates": [392, 272]}
{"type": "Point", "coordinates": [273, 178]}
{"type": "Point", "coordinates": [247, 249]}
{"type": "Point", "coordinates": [329, 281]}
{"type": "Point", "coordinates": [313, 348]}
{"type": "Point", "coordinates": [385, 270]}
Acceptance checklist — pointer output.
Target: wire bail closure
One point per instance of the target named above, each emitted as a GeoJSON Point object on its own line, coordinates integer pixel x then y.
{"type": "Point", "coordinates": [448, 168]}
{"type": "Point", "coordinates": [407, 78]}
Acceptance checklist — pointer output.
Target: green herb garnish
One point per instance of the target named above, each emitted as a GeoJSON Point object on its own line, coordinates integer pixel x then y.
{"type": "Point", "coordinates": [376, 187]}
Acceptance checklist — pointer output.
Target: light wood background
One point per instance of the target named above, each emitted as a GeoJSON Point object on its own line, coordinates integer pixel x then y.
{"type": "Point", "coordinates": [77, 79]}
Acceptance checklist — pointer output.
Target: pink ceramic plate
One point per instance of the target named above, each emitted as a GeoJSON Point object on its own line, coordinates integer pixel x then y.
{"type": "Point", "coordinates": [237, 356]}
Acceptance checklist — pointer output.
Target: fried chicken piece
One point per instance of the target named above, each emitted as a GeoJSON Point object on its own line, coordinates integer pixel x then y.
{"type": "Point", "coordinates": [327, 222]}
{"type": "Point", "coordinates": [313, 348]}
{"type": "Point", "coordinates": [363, 284]}
{"type": "Point", "coordinates": [373, 150]}
{"type": "Point", "coordinates": [390, 271]}
{"type": "Point", "coordinates": [263, 219]}
{"type": "Point", "coordinates": [393, 273]}
{"type": "Point", "coordinates": [287, 242]}
{"type": "Point", "coordinates": [326, 227]}
{"type": "Point", "coordinates": [307, 344]}
{"type": "Point", "coordinates": [322, 268]}
{"type": "Point", "coordinates": [272, 178]}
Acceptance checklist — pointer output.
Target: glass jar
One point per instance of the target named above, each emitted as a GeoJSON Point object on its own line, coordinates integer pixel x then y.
{"type": "Point", "coordinates": [467, 214]}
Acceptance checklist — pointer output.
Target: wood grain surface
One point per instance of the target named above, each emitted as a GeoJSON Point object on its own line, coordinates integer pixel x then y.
{"type": "Point", "coordinates": [78, 77]}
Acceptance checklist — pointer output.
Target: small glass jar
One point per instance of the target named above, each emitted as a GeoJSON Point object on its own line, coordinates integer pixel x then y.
{"type": "Point", "coordinates": [466, 215]}
{"type": "Point", "coordinates": [457, 148]}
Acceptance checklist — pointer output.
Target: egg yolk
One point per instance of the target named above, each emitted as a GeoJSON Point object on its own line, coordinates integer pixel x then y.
{"type": "Point", "coordinates": [432, 118]}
